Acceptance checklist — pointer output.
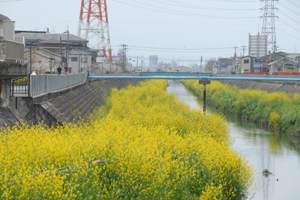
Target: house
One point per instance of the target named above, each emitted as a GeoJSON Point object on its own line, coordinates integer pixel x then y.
{"type": "Point", "coordinates": [249, 64]}
{"type": "Point", "coordinates": [225, 65]}
{"type": "Point", "coordinates": [245, 64]}
{"type": "Point", "coordinates": [47, 52]}
{"type": "Point", "coordinates": [280, 63]}
{"type": "Point", "coordinates": [285, 64]}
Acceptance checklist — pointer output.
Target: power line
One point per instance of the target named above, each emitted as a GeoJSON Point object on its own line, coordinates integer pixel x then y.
{"type": "Point", "coordinates": [185, 6]}
{"type": "Point", "coordinates": [169, 11]}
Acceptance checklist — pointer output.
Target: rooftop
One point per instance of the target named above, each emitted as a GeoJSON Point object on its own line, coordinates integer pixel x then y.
{"type": "Point", "coordinates": [49, 37]}
{"type": "Point", "coordinates": [4, 18]}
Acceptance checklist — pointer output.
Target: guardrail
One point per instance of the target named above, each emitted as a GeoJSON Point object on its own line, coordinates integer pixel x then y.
{"type": "Point", "coordinates": [184, 76]}
{"type": "Point", "coordinates": [45, 84]}
{"type": "Point", "coordinates": [11, 51]}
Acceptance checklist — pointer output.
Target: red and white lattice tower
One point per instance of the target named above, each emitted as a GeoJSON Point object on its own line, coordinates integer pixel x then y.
{"type": "Point", "coordinates": [94, 26]}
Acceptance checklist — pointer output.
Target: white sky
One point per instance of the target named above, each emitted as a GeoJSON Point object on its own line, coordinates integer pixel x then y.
{"type": "Point", "coordinates": [166, 23]}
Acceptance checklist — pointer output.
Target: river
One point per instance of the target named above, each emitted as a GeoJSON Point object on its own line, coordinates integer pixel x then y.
{"type": "Point", "coordinates": [262, 150]}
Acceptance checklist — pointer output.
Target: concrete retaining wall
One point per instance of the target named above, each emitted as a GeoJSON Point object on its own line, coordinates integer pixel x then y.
{"type": "Point", "coordinates": [68, 106]}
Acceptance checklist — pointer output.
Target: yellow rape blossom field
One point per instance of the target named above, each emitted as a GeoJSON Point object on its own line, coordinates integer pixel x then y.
{"type": "Point", "coordinates": [144, 144]}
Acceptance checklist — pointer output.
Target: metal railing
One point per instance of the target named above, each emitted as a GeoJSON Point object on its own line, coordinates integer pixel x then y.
{"type": "Point", "coordinates": [39, 85]}
{"type": "Point", "coordinates": [45, 84]}
{"type": "Point", "coordinates": [194, 76]}
{"type": "Point", "coordinates": [19, 87]}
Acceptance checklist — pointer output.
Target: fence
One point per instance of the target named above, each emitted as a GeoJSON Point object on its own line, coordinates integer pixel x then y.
{"type": "Point", "coordinates": [44, 84]}
{"type": "Point", "coordinates": [40, 85]}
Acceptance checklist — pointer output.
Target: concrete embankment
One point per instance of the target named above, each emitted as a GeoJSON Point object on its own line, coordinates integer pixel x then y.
{"type": "Point", "coordinates": [267, 86]}
{"type": "Point", "coordinates": [7, 118]}
{"type": "Point", "coordinates": [53, 109]}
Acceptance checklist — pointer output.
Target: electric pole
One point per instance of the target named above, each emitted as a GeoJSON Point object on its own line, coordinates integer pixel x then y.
{"type": "Point", "coordinates": [235, 59]}
{"type": "Point", "coordinates": [201, 64]}
{"type": "Point", "coordinates": [142, 63]}
{"type": "Point", "coordinates": [244, 50]}
{"type": "Point", "coordinates": [137, 63]}
{"type": "Point", "coordinates": [124, 56]}
{"type": "Point", "coordinates": [298, 59]}
{"type": "Point", "coordinates": [269, 23]}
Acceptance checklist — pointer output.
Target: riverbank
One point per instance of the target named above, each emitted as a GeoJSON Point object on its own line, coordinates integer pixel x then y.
{"type": "Point", "coordinates": [276, 111]}
{"type": "Point", "coordinates": [143, 144]}
{"type": "Point", "coordinates": [262, 150]}
{"type": "Point", "coordinates": [290, 88]}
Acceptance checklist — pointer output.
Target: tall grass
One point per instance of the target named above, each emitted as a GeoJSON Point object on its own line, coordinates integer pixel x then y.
{"type": "Point", "coordinates": [276, 111]}
{"type": "Point", "coordinates": [146, 146]}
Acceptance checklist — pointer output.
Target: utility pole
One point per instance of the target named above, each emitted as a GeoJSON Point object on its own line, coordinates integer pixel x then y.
{"type": "Point", "coordinates": [244, 50]}
{"type": "Point", "coordinates": [235, 59]}
{"type": "Point", "coordinates": [142, 63]}
{"type": "Point", "coordinates": [201, 64]}
{"type": "Point", "coordinates": [298, 59]}
{"type": "Point", "coordinates": [124, 56]}
{"type": "Point", "coordinates": [67, 51]}
{"type": "Point", "coordinates": [269, 23]}
{"type": "Point", "coordinates": [62, 57]}
{"type": "Point", "coordinates": [137, 63]}
{"type": "Point", "coordinates": [30, 59]}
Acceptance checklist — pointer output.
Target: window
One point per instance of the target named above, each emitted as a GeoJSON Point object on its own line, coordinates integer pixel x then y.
{"type": "Point", "coordinates": [246, 61]}
{"type": "Point", "coordinates": [84, 59]}
{"type": "Point", "coordinates": [74, 59]}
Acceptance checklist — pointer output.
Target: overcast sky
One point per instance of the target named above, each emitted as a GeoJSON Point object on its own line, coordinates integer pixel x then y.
{"type": "Point", "coordinates": [170, 24]}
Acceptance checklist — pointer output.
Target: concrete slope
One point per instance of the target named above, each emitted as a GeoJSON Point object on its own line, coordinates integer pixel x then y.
{"type": "Point", "coordinates": [7, 118]}
{"type": "Point", "coordinates": [79, 102]}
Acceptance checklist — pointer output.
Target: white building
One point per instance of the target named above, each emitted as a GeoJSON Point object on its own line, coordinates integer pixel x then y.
{"type": "Point", "coordinates": [258, 45]}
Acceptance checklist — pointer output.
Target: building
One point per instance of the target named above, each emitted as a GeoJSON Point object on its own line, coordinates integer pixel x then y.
{"type": "Point", "coordinates": [11, 58]}
{"type": "Point", "coordinates": [48, 52]}
{"type": "Point", "coordinates": [153, 61]}
{"type": "Point", "coordinates": [250, 64]}
{"type": "Point", "coordinates": [258, 45]}
{"type": "Point", "coordinates": [279, 63]}
{"type": "Point", "coordinates": [225, 65]}
{"type": "Point", "coordinates": [7, 28]}
{"type": "Point", "coordinates": [284, 65]}
{"type": "Point", "coordinates": [10, 49]}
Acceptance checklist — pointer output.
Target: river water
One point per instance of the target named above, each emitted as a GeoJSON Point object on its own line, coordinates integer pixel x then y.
{"type": "Point", "coordinates": [262, 150]}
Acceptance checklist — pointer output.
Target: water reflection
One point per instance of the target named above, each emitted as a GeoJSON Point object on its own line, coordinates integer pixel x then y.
{"type": "Point", "coordinates": [275, 162]}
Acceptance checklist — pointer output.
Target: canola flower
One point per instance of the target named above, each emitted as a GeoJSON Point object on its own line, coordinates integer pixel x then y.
{"type": "Point", "coordinates": [278, 111]}
{"type": "Point", "coordinates": [144, 144]}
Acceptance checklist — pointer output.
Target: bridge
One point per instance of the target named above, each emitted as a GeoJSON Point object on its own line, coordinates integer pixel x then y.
{"type": "Point", "coordinates": [203, 78]}
{"type": "Point", "coordinates": [40, 85]}
{"type": "Point", "coordinates": [53, 98]}
{"type": "Point", "coordinates": [192, 76]}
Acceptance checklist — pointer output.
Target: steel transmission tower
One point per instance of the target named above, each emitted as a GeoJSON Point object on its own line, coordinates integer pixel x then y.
{"type": "Point", "coordinates": [94, 26]}
{"type": "Point", "coordinates": [269, 23]}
